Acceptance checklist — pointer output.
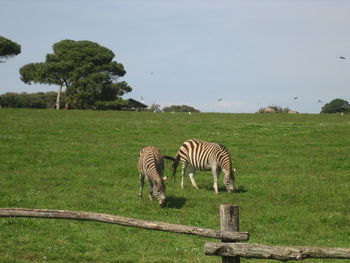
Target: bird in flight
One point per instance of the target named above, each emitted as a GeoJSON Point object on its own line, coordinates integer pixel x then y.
{"type": "Point", "coordinates": [295, 98]}
{"type": "Point", "coordinates": [341, 57]}
{"type": "Point", "coordinates": [220, 99]}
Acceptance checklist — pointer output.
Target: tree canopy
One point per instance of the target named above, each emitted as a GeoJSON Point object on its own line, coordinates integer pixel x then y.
{"type": "Point", "coordinates": [336, 105]}
{"type": "Point", "coordinates": [180, 108]}
{"type": "Point", "coordinates": [274, 108]}
{"type": "Point", "coordinates": [8, 48]}
{"type": "Point", "coordinates": [86, 69]}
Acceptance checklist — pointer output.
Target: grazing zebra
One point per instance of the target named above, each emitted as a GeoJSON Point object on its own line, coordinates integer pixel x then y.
{"type": "Point", "coordinates": [205, 156]}
{"type": "Point", "coordinates": [151, 166]}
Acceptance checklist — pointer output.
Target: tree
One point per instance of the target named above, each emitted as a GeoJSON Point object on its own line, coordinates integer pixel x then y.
{"type": "Point", "coordinates": [8, 48]}
{"type": "Point", "coordinates": [84, 68]}
{"type": "Point", "coordinates": [336, 105]}
{"type": "Point", "coordinates": [180, 108]}
{"type": "Point", "coordinates": [154, 107]}
{"type": "Point", "coordinates": [273, 109]}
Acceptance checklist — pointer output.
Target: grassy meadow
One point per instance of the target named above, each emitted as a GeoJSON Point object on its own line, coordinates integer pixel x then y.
{"type": "Point", "coordinates": [292, 183]}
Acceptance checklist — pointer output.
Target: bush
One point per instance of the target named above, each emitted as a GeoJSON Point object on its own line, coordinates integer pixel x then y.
{"type": "Point", "coordinates": [117, 104]}
{"type": "Point", "coordinates": [178, 108]}
{"type": "Point", "coordinates": [39, 100]}
{"type": "Point", "coordinates": [336, 105]}
{"type": "Point", "coordinates": [275, 109]}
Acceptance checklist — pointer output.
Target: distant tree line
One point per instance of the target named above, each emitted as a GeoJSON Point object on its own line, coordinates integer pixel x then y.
{"type": "Point", "coordinates": [274, 109]}
{"type": "Point", "coordinates": [335, 106]}
{"type": "Point", "coordinates": [173, 108]}
{"type": "Point", "coordinates": [90, 77]}
{"type": "Point", "coordinates": [41, 100]}
{"type": "Point", "coordinates": [179, 108]}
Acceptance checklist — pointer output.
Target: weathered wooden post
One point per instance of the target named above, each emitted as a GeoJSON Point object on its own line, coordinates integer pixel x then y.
{"type": "Point", "coordinates": [229, 221]}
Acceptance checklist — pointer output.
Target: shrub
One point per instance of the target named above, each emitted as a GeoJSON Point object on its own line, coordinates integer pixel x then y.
{"type": "Point", "coordinates": [117, 104]}
{"type": "Point", "coordinates": [37, 100]}
{"type": "Point", "coordinates": [336, 105]}
{"type": "Point", "coordinates": [178, 108]}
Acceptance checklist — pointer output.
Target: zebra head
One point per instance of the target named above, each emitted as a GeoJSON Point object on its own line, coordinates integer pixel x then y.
{"type": "Point", "coordinates": [159, 193]}
{"type": "Point", "coordinates": [229, 180]}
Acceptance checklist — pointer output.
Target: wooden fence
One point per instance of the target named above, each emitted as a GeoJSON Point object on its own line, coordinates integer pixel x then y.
{"type": "Point", "coordinates": [228, 249]}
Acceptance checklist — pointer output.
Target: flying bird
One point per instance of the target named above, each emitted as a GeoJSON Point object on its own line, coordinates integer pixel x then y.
{"type": "Point", "coordinates": [295, 98]}
{"type": "Point", "coordinates": [341, 57]}
{"type": "Point", "coordinates": [220, 99]}
{"type": "Point", "coordinates": [319, 101]}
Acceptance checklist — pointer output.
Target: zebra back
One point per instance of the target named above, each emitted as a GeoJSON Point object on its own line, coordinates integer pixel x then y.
{"type": "Point", "coordinates": [202, 155]}
{"type": "Point", "coordinates": [151, 163]}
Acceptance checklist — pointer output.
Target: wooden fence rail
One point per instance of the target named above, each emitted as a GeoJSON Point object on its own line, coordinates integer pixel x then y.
{"type": "Point", "coordinates": [229, 221]}
{"type": "Point", "coordinates": [125, 221]}
{"type": "Point", "coordinates": [274, 252]}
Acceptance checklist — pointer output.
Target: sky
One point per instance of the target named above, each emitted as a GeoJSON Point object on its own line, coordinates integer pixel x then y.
{"type": "Point", "coordinates": [214, 55]}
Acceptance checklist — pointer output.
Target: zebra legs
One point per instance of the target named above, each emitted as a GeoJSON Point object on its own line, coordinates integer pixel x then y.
{"type": "Point", "coordinates": [216, 171]}
{"type": "Point", "coordinates": [191, 175]}
{"type": "Point", "coordinates": [142, 182]}
{"type": "Point", "coordinates": [183, 171]}
{"type": "Point", "coordinates": [150, 189]}
{"type": "Point", "coordinates": [150, 186]}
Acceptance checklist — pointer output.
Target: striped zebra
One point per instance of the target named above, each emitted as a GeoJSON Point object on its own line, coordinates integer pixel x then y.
{"type": "Point", "coordinates": [151, 166]}
{"type": "Point", "coordinates": [205, 156]}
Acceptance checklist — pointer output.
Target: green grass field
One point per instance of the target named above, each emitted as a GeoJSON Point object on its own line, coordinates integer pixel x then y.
{"type": "Point", "coordinates": [292, 184]}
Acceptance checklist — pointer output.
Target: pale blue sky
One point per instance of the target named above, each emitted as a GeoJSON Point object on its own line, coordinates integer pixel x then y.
{"type": "Point", "coordinates": [249, 53]}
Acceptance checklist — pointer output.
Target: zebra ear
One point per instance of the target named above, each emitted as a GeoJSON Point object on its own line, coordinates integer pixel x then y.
{"type": "Point", "coordinates": [165, 178]}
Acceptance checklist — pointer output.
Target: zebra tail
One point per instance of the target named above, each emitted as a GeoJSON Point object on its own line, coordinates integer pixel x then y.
{"type": "Point", "coordinates": [175, 165]}
{"type": "Point", "coordinates": [169, 158]}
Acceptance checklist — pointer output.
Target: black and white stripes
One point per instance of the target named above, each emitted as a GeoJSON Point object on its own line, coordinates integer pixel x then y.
{"type": "Point", "coordinates": [205, 156]}
{"type": "Point", "coordinates": [151, 167]}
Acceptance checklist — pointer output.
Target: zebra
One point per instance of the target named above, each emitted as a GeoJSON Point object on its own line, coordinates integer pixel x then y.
{"type": "Point", "coordinates": [205, 156]}
{"type": "Point", "coordinates": [151, 166]}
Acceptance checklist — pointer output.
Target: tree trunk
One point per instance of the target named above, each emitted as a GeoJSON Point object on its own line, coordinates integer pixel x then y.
{"type": "Point", "coordinates": [58, 99]}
